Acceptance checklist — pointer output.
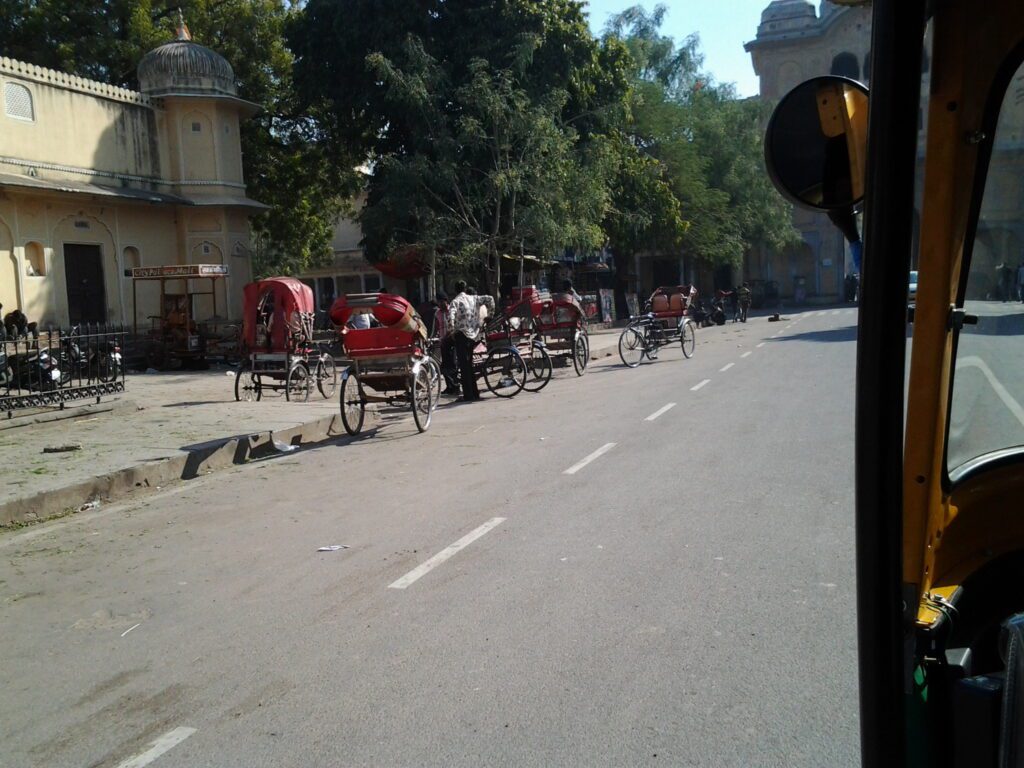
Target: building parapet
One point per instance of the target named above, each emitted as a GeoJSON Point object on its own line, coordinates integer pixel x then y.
{"type": "Point", "coordinates": [73, 82]}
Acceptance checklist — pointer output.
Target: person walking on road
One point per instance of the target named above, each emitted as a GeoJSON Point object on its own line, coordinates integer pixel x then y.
{"type": "Point", "coordinates": [745, 297]}
{"type": "Point", "coordinates": [466, 325]}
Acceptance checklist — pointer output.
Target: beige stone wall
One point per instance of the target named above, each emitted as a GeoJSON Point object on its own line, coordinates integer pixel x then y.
{"type": "Point", "coordinates": [89, 132]}
{"type": "Point", "coordinates": [128, 235]}
{"type": "Point", "coordinates": [79, 130]}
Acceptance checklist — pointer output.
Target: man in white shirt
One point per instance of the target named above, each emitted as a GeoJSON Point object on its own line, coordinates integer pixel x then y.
{"type": "Point", "coordinates": [465, 324]}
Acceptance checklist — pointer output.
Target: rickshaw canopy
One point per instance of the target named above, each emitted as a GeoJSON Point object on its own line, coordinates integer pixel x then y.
{"type": "Point", "coordinates": [274, 303]}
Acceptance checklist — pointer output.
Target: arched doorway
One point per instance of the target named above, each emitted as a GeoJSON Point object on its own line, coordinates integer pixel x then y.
{"type": "Point", "coordinates": [846, 65]}
{"type": "Point", "coordinates": [799, 278]}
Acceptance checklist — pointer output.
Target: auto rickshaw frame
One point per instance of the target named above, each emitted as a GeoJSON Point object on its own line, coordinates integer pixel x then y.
{"type": "Point", "coordinates": [920, 534]}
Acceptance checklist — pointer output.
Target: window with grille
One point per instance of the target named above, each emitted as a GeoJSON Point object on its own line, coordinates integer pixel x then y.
{"type": "Point", "coordinates": [18, 102]}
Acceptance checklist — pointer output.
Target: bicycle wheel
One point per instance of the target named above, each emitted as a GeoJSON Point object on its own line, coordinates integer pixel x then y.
{"type": "Point", "coordinates": [687, 338]}
{"type": "Point", "coordinates": [326, 376]}
{"type": "Point", "coordinates": [632, 346]}
{"type": "Point", "coordinates": [505, 372]}
{"type": "Point", "coordinates": [539, 367]}
{"type": "Point", "coordinates": [580, 353]}
{"type": "Point", "coordinates": [246, 388]}
{"type": "Point", "coordinates": [422, 398]}
{"type": "Point", "coordinates": [296, 386]}
{"type": "Point", "coordinates": [436, 379]}
{"type": "Point", "coordinates": [353, 409]}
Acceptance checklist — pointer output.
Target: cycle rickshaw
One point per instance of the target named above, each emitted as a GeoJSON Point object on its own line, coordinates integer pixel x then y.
{"type": "Point", "coordinates": [389, 362]}
{"type": "Point", "coordinates": [277, 343]}
{"type": "Point", "coordinates": [666, 321]}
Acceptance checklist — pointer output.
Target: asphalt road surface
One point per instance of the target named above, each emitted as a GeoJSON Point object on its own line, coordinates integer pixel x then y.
{"type": "Point", "coordinates": [639, 567]}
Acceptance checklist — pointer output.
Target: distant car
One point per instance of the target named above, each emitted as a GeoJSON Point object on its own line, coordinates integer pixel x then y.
{"type": "Point", "coordinates": [912, 289]}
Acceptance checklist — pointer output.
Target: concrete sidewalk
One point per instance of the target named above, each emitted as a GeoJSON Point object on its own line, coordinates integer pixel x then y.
{"type": "Point", "coordinates": [165, 427]}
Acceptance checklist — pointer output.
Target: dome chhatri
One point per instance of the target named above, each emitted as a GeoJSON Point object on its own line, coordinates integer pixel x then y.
{"type": "Point", "coordinates": [185, 67]}
{"type": "Point", "coordinates": [789, 10]}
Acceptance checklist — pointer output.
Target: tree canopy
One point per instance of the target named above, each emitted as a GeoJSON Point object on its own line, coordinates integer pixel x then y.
{"type": "Point", "coordinates": [480, 126]}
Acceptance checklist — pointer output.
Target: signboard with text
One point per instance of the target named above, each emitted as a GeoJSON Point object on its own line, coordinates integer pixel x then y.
{"type": "Point", "coordinates": [181, 271]}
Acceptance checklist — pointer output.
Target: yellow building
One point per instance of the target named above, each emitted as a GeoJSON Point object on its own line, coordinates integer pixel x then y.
{"type": "Point", "coordinates": [794, 43]}
{"type": "Point", "coordinates": [96, 180]}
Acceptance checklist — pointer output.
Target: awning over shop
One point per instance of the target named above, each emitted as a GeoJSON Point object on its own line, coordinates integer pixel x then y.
{"type": "Point", "coordinates": [228, 201]}
{"type": "Point", "coordinates": [24, 181]}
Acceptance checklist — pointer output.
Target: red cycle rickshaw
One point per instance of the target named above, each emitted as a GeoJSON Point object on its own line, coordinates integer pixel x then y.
{"type": "Point", "coordinates": [384, 338]}
{"type": "Point", "coordinates": [277, 343]}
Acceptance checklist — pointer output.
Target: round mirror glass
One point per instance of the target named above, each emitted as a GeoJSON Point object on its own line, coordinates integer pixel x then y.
{"type": "Point", "coordinates": [816, 143]}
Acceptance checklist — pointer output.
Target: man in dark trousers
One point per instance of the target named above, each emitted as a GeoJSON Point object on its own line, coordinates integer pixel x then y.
{"type": "Point", "coordinates": [466, 326]}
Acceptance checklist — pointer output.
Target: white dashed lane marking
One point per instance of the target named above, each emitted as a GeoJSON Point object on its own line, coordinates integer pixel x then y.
{"type": "Point", "coordinates": [586, 460]}
{"type": "Point", "coordinates": [163, 744]}
{"type": "Point", "coordinates": [660, 411]}
{"type": "Point", "coordinates": [761, 344]}
{"type": "Point", "coordinates": [747, 354]}
{"type": "Point", "coordinates": [445, 554]}
{"type": "Point", "coordinates": [726, 367]}
{"type": "Point", "coordinates": [698, 386]}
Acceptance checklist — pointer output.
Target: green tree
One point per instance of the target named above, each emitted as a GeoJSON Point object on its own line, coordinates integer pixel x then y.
{"type": "Point", "coordinates": [708, 141]}
{"type": "Point", "coordinates": [285, 166]}
{"type": "Point", "coordinates": [483, 119]}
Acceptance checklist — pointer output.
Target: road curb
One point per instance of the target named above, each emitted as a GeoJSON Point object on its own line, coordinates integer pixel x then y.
{"type": "Point", "coordinates": [201, 459]}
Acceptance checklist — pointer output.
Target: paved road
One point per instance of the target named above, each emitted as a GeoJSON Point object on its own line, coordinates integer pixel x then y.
{"type": "Point", "coordinates": [685, 598]}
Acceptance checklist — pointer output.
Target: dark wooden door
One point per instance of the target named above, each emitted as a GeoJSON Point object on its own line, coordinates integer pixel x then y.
{"type": "Point", "coordinates": [87, 296]}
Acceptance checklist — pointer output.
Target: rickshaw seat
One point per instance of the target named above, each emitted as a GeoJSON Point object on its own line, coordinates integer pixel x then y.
{"type": "Point", "coordinates": [375, 342]}
{"type": "Point", "coordinates": [659, 303]}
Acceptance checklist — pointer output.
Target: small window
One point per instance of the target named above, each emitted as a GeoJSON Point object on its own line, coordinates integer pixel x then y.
{"type": "Point", "coordinates": [197, 127]}
{"type": "Point", "coordinates": [206, 249]}
{"type": "Point", "coordinates": [35, 260]}
{"type": "Point", "coordinates": [18, 102]}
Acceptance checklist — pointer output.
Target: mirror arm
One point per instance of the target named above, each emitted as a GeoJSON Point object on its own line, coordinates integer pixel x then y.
{"type": "Point", "coordinates": [846, 220]}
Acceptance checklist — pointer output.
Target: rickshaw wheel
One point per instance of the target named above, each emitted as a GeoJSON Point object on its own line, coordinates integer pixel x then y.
{"type": "Point", "coordinates": [687, 338]}
{"type": "Point", "coordinates": [422, 398]}
{"type": "Point", "coordinates": [326, 377]}
{"type": "Point", "coordinates": [297, 385]}
{"type": "Point", "coordinates": [539, 369]}
{"type": "Point", "coordinates": [353, 409]}
{"type": "Point", "coordinates": [631, 346]}
{"type": "Point", "coordinates": [246, 386]}
{"type": "Point", "coordinates": [580, 354]}
{"type": "Point", "coordinates": [505, 372]}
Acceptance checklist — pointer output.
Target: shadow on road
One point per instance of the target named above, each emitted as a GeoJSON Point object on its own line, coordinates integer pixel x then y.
{"type": "Point", "coordinates": [831, 335]}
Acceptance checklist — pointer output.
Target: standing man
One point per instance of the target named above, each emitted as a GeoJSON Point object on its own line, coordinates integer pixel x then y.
{"type": "Point", "coordinates": [1020, 283]}
{"type": "Point", "coordinates": [745, 297]}
{"type": "Point", "coordinates": [465, 324]}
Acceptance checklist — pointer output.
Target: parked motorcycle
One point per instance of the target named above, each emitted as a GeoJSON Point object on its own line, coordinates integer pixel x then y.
{"type": "Point", "coordinates": [102, 361]}
{"type": "Point", "coordinates": [36, 371]}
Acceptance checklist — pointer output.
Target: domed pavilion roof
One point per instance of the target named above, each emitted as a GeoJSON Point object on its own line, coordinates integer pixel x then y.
{"type": "Point", "coordinates": [185, 67]}
{"type": "Point", "coordinates": [789, 10]}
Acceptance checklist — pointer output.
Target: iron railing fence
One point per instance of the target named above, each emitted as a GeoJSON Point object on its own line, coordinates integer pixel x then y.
{"type": "Point", "coordinates": [56, 366]}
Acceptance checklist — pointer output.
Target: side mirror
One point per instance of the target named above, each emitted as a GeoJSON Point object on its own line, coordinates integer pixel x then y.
{"type": "Point", "coordinates": [815, 145]}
